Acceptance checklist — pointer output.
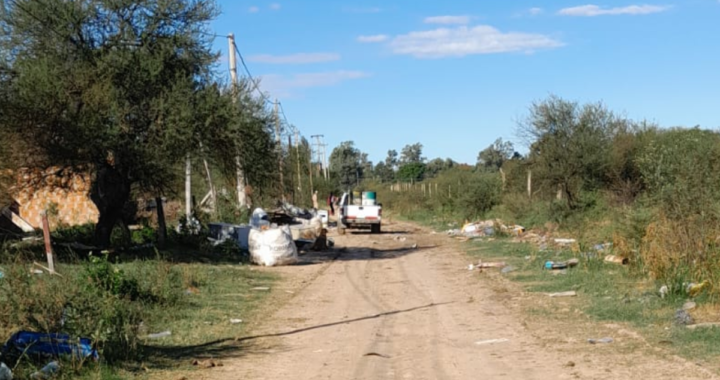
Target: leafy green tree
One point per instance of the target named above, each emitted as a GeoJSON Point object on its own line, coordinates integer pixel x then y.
{"type": "Point", "coordinates": [493, 157]}
{"type": "Point", "coordinates": [346, 164]}
{"type": "Point", "coordinates": [391, 161]}
{"type": "Point", "coordinates": [438, 165]}
{"type": "Point", "coordinates": [383, 172]}
{"type": "Point", "coordinates": [414, 171]}
{"type": "Point", "coordinates": [411, 154]}
{"type": "Point", "coordinates": [570, 145]}
{"type": "Point", "coordinates": [123, 87]}
{"type": "Point", "coordinates": [680, 169]}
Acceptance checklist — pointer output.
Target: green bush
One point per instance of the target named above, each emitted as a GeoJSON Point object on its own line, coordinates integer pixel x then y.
{"type": "Point", "coordinates": [104, 302]}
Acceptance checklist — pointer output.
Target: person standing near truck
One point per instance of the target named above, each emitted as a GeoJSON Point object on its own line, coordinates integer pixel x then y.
{"type": "Point", "coordinates": [315, 200]}
{"type": "Point", "coordinates": [331, 203]}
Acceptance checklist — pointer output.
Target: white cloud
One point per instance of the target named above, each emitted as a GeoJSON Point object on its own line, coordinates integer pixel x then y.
{"type": "Point", "coordinates": [591, 10]}
{"type": "Point", "coordinates": [275, 6]}
{"type": "Point", "coordinates": [299, 58]}
{"type": "Point", "coordinates": [253, 9]}
{"type": "Point", "coordinates": [373, 38]}
{"type": "Point", "coordinates": [463, 40]}
{"type": "Point", "coordinates": [535, 11]}
{"type": "Point", "coordinates": [283, 85]}
{"type": "Point", "coordinates": [447, 20]}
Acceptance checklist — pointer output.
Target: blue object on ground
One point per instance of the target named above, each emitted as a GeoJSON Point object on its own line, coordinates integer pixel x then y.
{"type": "Point", "coordinates": [52, 344]}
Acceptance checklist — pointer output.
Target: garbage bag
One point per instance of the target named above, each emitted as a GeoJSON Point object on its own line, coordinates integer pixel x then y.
{"type": "Point", "coordinates": [259, 218]}
{"type": "Point", "coordinates": [271, 247]}
{"type": "Point", "coordinates": [48, 345]}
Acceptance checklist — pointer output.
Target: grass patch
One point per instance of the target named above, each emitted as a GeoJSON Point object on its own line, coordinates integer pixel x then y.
{"type": "Point", "coordinates": [607, 293]}
{"type": "Point", "coordinates": [118, 304]}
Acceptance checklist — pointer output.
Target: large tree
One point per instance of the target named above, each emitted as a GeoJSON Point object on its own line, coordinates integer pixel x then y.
{"type": "Point", "coordinates": [412, 154]}
{"type": "Point", "coordinates": [570, 144]}
{"type": "Point", "coordinates": [346, 164]}
{"type": "Point", "coordinates": [121, 87]}
{"type": "Point", "coordinates": [494, 156]}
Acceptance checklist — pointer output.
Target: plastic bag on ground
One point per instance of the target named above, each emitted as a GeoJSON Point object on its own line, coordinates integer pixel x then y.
{"type": "Point", "coordinates": [272, 247]}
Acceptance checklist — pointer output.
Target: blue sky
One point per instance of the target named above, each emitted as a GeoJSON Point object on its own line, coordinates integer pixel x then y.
{"type": "Point", "coordinates": [456, 75]}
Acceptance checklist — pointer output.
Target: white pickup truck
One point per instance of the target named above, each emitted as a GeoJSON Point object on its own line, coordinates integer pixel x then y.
{"type": "Point", "coordinates": [358, 216]}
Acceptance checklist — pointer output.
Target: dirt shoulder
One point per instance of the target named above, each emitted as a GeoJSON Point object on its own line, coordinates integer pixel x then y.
{"type": "Point", "coordinates": [403, 305]}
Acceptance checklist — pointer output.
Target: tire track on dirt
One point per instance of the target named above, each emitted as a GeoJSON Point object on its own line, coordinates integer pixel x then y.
{"type": "Point", "coordinates": [385, 324]}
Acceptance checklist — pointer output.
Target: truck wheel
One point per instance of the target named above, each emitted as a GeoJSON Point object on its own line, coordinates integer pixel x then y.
{"type": "Point", "coordinates": [341, 231]}
{"type": "Point", "coordinates": [375, 228]}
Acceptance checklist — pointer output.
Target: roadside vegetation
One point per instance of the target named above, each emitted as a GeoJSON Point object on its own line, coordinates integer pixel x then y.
{"type": "Point", "coordinates": [599, 178]}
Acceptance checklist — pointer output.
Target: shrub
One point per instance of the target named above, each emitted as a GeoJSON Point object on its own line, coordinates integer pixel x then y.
{"type": "Point", "coordinates": [102, 302]}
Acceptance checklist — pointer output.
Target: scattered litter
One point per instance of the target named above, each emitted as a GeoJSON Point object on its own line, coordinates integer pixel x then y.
{"type": "Point", "coordinates": [694, 290]}
{"type": "Point", "coordinates": [36, 271]}
{"type": "Point", "coordinates": [159, 335]}
{"type": "Point", "coordinates": [471, 267]}
{"type": "Point", "coordinates": [414, 246]}
{"type": "Point", "coordinates": [689, 305]}
{"type": "Point", "coordinates": [508, 269]}
{"type": "Point", "coordinates": [259, 219]}
{"type": "Point", "coordinates": [261, 288]}
{"type": "Point", "coordinates": [513, 230]}
{"type": "Point", "coordinates": [565, 242]}
{"type": "Point", "coordinates": [289, 292]}
{"type": "Point", "coordinates": [235, 321]}
{"type": "Point", "coordinates": [683, 318]}
{"type": "Point", "coordinates": [376, 354]}
{"type": "Point", "coordinates": [5, 372]}
{"type": "Point", "coordinates": [48, 345]}
{"type": "Point", "coordinates": [616, 259]}
{"type": "Point", "coordinates": [47, 372]}
{"type": "Point", "coordinates": [704, 325]}
{"type": "Point", "coordinates": [192, 290]}
{"type": "Point", "coordinates": [664, 291]}
{"type": "Point", "coordinates": [601, 340]}
{"type": "Point", "coordinates": [491, 341]}
{"type": "Point", "coordinates": [400, 238]}
{"type": "Point", "coordinates": [561, 265]}
{"type": "Point", "coordinates": [496, 264]}
{"type": "Point", "coordinates": [602, 247]}
{"type": "Point", "coordinates": [207, 363]}
{"type": "Point", "coordinates": [570, 293]}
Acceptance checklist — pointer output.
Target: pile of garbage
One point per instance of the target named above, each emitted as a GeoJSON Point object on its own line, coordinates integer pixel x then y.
{"type": "Point", "coordinates": [274, 238]}
{"type": "Point", "coordinates": [486, 228]}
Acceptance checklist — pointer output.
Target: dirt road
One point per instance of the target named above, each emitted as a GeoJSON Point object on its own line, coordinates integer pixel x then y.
{"type": "Point", "coordinates": [381, 309]}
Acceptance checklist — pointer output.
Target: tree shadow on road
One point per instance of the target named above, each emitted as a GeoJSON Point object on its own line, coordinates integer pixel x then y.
{"type": "Point", "coordinates": [166, 357]}
{"type": "Point", "coordinates": [358, 253]}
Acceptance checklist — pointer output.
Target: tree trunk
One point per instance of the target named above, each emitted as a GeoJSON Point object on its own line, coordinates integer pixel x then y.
{"type": "Point", "coordinates": [110, 191]}
{"type": "Point", "coordinates": [162, 228]}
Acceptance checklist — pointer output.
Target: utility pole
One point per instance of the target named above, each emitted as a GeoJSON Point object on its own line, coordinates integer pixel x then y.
{"type": "Point", "coordinates": [188, 190]}
{"type": "Point", "coordinates": [280, 150]}
{"type": "Point", "coordinates": [321, 153]}
{"type": "Point", "coordinates": [240, 176]}
{"type": "Point", "coordinates": [310, 168]}
{"type": "Point", "coordinates": [297, 158]}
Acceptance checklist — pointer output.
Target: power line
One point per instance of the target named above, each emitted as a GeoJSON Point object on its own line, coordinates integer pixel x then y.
{"type": "Point", "coordinates": [256, 85]}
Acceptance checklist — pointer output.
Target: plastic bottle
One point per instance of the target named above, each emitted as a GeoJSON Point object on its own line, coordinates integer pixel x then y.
{"type": "Point", "coordinates": [47, 371]}
{"type": "Point", "coordinates": [5, 372]}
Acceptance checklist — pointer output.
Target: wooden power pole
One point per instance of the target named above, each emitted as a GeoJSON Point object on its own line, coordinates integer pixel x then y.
{"type": "Point", "coordinates": [280, 150]}
{"type": "Point", "coordinates": [240, 176]}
